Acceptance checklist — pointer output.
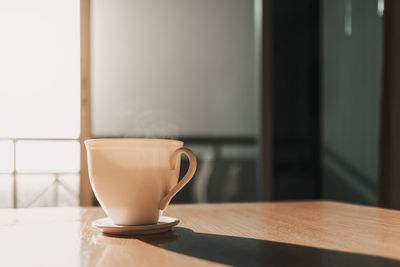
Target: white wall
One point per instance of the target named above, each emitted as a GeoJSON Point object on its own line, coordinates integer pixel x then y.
{"type": "Point", "coordinates": [173, 68]}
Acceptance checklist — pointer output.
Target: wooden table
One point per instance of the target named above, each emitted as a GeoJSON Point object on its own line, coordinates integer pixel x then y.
{"type": "Point", "coordinates": [268, 234]}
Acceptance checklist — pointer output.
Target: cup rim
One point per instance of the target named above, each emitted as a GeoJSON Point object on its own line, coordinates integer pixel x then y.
{"type": "Point", "coordinates": [136, 141]}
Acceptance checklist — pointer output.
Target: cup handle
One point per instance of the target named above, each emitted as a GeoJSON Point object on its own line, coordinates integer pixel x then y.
{"type": "Point", "coordinates": [189, 174]}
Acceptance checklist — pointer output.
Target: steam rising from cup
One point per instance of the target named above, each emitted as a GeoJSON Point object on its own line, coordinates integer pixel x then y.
{"type": "Point", "coordinates": [154, 124]}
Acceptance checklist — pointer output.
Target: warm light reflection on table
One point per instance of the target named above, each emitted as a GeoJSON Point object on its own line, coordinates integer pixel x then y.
{"type": "Point", "coordinates": [278, 234]}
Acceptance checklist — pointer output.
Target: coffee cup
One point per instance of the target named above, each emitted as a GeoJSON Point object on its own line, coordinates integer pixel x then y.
{"type": "Point", "coordinates": [134, 179]}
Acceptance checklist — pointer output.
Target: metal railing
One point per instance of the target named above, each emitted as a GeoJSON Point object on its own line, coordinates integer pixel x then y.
{"type": "Point", "coordinates": [56, 183]}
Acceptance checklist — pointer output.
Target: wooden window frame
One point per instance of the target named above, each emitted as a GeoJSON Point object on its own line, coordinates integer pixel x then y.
{"type": "Point", "coordinates": [86, 196]}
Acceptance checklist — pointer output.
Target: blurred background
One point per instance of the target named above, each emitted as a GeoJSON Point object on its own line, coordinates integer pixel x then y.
{"type": "Point", "coordinates": [279, 99]}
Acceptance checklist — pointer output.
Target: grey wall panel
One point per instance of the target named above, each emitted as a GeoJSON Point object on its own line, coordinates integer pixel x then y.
{"type": "Point", "coordinates": [352, 70]}
{"type": "Point", "coordinates": [171, 68]}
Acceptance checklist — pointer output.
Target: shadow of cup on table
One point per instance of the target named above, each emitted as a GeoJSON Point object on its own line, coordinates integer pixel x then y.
{"type": "Point", "coordinates": [152, 239]}
{"type": "Point", "coordinates": [231, 250]}
{"type": "Point", "coordinates": [240, 251]}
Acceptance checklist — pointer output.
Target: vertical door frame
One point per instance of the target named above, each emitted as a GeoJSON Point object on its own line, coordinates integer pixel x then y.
{"type": "Point", "coordinates": [389, 194]}
{"type": "Point", "coordinates": [266, 104]}
{"type": "Point", "coordinates": [86, 195]}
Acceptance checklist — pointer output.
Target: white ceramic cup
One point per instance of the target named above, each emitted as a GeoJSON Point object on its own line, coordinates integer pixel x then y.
{"type": "Point", "coordinates": [134, 178]}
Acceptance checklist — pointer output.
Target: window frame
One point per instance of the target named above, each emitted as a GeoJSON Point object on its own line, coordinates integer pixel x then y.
{"type": "Point", "coordinates": [86, 196]}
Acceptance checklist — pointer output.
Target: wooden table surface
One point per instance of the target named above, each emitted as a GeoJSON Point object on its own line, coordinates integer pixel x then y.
{"type": "Point", "coordinates": [315, 233]}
